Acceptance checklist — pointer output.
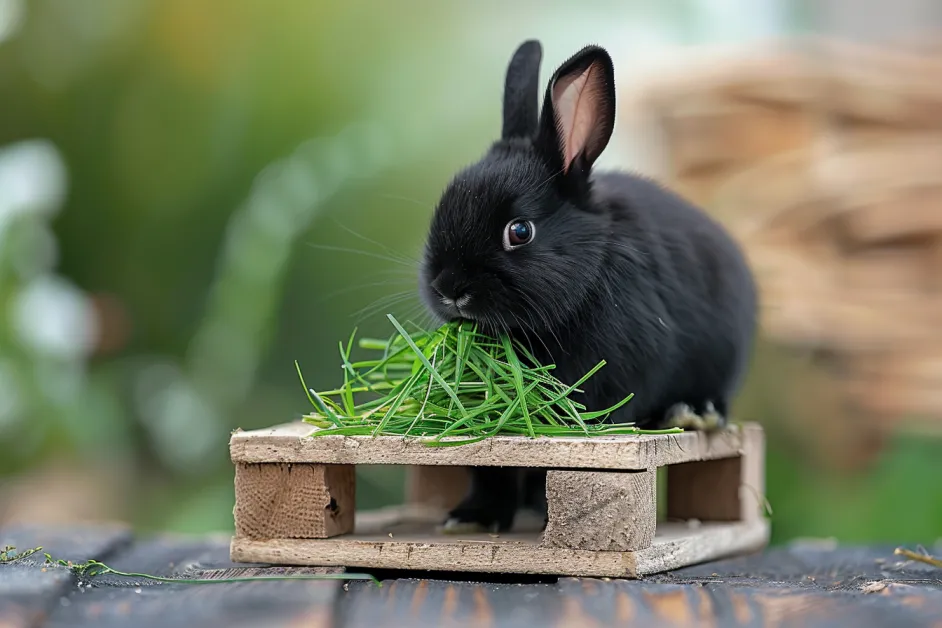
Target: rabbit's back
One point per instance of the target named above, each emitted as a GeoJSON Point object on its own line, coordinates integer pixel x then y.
{"type": "Point", "coordinates": [695, 281]}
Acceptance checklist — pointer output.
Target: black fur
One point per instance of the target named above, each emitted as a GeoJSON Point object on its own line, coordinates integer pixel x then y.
{"type": "Point", "coordinates": [522, 91]}
{"type": "Point", "coordinates": [619, 269]}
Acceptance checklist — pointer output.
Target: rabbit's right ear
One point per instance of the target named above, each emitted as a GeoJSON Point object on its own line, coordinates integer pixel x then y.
{"type": "Point", "coordinates": [521, 91]}
{"type": "Point", "coordinates": [578, 112]}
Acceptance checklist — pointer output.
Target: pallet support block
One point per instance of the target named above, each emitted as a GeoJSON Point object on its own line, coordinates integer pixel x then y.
{"type": "Point", "coordinates": [724, 489]}
{"type": "Point", "coordinates": [611, 511]}
{"type": "Point", "coordinates": [306, 501]}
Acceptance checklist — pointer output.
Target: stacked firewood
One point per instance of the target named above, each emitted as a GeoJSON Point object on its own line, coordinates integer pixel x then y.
{"type": "Point", "coordinates": [825, 160]}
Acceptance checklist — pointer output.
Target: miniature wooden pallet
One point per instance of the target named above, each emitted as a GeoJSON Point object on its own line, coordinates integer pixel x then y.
{"type": "Point", "coordinates": [295, 501]}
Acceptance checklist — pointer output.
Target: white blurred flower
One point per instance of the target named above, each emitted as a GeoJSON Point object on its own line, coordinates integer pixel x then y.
{"type": "Point", "coordinates": [53, 317]}
{"type": "Point", "coordinates": [32, 178]}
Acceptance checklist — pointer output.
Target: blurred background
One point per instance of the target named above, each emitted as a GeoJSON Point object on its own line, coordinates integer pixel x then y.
{"type": "Point", "coordinates": [196, 193]}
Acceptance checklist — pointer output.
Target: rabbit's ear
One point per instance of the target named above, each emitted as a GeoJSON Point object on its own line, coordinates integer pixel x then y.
{"type": "Point", "coordinates": [579, 110]}
{"type": "Point", "coordinates": [521, 91]}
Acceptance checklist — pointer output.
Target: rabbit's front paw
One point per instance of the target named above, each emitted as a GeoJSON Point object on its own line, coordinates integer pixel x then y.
{"type": "Point", "coordinates": [712, 418]}
{"type": "Point", "coordinates": [683, 416]}
{"type": "Point", "coordinates": [474, 519]}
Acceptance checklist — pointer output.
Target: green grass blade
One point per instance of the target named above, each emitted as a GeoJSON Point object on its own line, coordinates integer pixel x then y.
{"type": "Point", "coordinates": [427, 365]}
{"type": "Point", "coordinates": [601, 413]}
{"type": "Point", "coordinates": [518, 381]}
{"type": "Point", "coordinates": [397, 401]}
{"type": "Point", "coordinates": [315, 399]}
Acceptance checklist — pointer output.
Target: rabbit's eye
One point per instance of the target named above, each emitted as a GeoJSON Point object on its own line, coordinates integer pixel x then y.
{"type": "Point", "coordinates": [517, 233]}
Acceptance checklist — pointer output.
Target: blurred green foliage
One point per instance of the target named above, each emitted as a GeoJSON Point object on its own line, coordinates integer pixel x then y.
{"type": "Point", "coordinates": [238, 182]}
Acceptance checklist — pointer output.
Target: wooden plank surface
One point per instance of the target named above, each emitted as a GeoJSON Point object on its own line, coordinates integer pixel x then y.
{"type": "Point", "coordinates": [420, 547]}
{"type": "Point", "coordinates": [34, 594]}
{"type": "Point", "coordinates": [797, 586]}
{"type": "Point", "coordinates": [819, 585]}
{"type": "Point", "coordinates": [290, 443]}
{"type": "Point", "coordinates": [29, 593]}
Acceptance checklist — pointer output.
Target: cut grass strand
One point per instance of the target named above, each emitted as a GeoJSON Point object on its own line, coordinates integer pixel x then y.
{"type": "Point", "coordinates": [458, 384]}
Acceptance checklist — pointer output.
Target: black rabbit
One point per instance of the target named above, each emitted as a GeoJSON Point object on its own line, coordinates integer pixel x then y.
{"type": "Point", "coordinates": [584, 266]}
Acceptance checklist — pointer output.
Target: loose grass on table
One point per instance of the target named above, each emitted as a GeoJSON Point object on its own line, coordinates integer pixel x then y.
{"type": "Point", "coordinates": [457, 383]}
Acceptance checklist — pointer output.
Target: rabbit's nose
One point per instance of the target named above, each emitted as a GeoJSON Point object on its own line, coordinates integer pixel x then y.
{"type": "Point", "coordinates": [447, 286]}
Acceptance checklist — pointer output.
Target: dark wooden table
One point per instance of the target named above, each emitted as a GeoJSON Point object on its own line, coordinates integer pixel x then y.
{"type": "Point", "coordinates": [799, 585]}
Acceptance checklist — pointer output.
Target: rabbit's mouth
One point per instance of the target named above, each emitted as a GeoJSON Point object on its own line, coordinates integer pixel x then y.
{"type": "Point", "coordinates": [459, 305]}
{"type": "Point", "coordinates": [457, 308]}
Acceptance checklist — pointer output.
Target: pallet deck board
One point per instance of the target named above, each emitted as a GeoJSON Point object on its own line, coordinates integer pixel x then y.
{"type": "Point", "coordinates": [290, 443]}
{"type": "Point", "coordinates": [423, 549]}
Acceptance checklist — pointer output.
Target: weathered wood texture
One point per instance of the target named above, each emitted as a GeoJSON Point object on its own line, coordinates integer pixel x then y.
{"type": "Point", "coordinates": [29, 593]}
{"type": "Point", "coordinates": [791, 587]}
{"type": "Point", "coordinates": [291, 443]}
{"type": "Point", "coordinates": [600, 522]}
{"type": "Point", "coordinates": [36, 595]}
{"type": "Point", "coordinates": [612, 511]}
{"type": "Point", "coordinates": [310, 501]}
{"type": "Point", "coordinates": [813, 585]}
{"type": "Point", "coordinates": [420, 547]}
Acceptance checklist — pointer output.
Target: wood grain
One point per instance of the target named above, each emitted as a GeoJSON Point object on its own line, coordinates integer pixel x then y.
{"type": "Point", "coordinates": [814, 584]}
{"type": "Point", "coordinates": [290, 443]}
{"type": "Point", "coordinates": [294, 501]}
{"type": "Point", "coordinates": [711, 132]}
{"type": "Point", "coordinates": [727, 593]}
{"type": "Point", "coordinates": [601, 510]}
{"type": "Point", "coordinates": [911, 213]}
{"type": "Point", "coordinates": [521, 553]}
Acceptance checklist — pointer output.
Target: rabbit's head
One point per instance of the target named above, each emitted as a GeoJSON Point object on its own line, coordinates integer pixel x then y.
{"type": "Point", "coordinates": [515, 241]}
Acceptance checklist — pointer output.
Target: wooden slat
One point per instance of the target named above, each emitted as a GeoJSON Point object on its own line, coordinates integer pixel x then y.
{"type": "Point", "coordinates": [29, 590]}
{"type": "Point", "coordinates": [884, 269]}
{"type": "Point", "coordinates": [777, 74]}
{"type": "Point", "coordinates": [726, 599]}
{"type": "Point", "coordinates": [709, 132]}
{"type": "Point", "coordinates": [816, 585]}
{"type": "Point", "coordinates": [115, 600]}
{"type": "Point", "coordinates": [915, 213]}
{"type": "Point", "coordinates": [516, 553]}
{"type": "Point", "coordinates": [883, 170]}
{"type": "Point", "coordinates": [881, 84]}
{"type": "Point", "coordinates": [289, 443]}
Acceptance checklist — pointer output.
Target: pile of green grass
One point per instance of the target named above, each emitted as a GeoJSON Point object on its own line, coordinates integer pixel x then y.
{"type": "Point", "coordinates": [454, 382]}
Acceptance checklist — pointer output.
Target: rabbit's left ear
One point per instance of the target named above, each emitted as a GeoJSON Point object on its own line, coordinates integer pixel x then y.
{"type": "Point", "coordinates": [579, 111]}
{"type": "Point", "coordinates": [522, 91]}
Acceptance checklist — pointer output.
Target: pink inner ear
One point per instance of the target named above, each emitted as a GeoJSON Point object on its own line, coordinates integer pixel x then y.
{"type": "Point", "coordinates": [577, 99]}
